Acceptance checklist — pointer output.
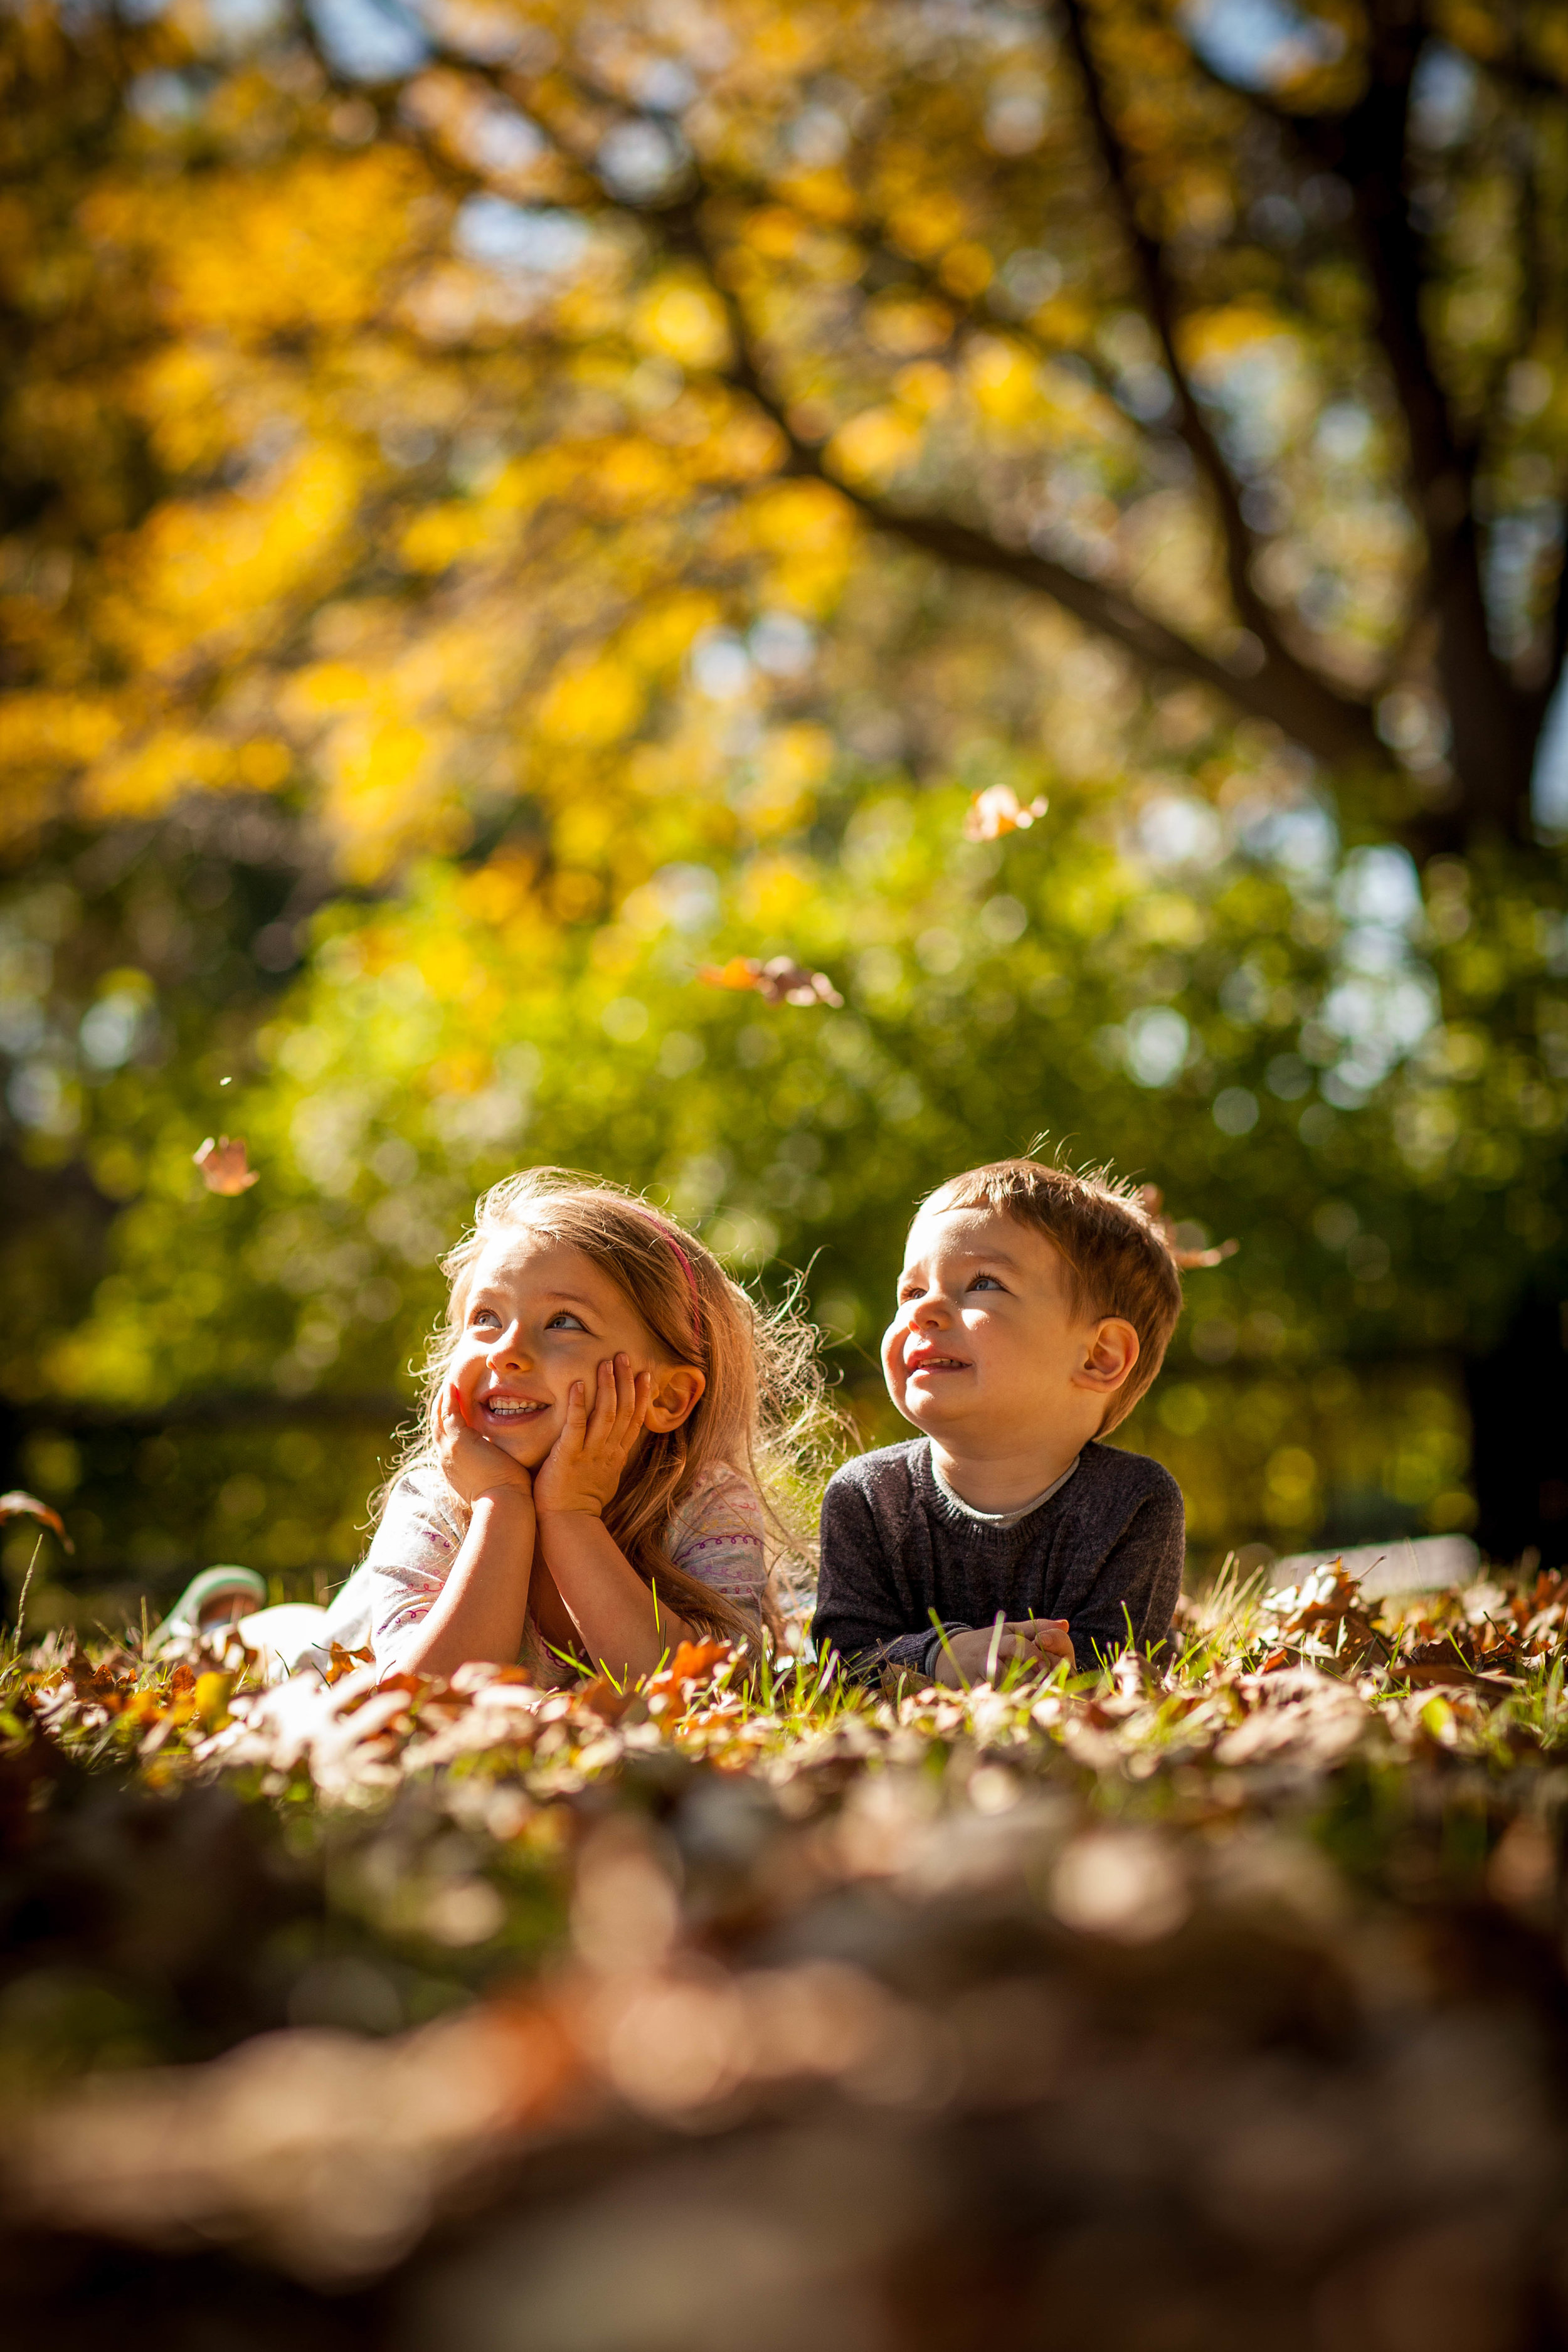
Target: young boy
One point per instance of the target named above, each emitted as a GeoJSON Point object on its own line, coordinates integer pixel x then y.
{"type": "Point", "coordinates": [1034, 1310]}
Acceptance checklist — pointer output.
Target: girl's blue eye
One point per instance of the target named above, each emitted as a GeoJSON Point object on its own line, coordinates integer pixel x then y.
{"type": "Point", "coordinates": [985, 1282]}
{"type": "Point", "coordinates": [565, 1320]}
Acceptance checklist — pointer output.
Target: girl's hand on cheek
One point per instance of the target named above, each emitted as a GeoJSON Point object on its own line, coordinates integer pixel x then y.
{"type": "Point", "coordinates": [473, 1465]}
{"type": "Point", "coordinates": [583, 1468]}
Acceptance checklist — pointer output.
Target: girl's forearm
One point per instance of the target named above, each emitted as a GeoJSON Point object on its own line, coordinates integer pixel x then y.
{"type": "Point", "coordinates": [482, 1608]}
{"type": "Point", "coordinates": [612, 1609]}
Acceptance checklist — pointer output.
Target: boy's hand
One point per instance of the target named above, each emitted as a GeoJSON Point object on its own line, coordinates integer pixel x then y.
{"type": "Point", "coordinates": [583, 1468]}
{"type": "Point", "coordinates": [1037, 1642]}
{"type": "Point", "coordinates": [472, 1464]}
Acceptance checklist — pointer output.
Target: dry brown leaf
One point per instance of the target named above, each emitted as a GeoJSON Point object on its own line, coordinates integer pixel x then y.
{"type": "Point", "coordinates": [222, 1161]}
{"type": "Point", "coordinates": [18, 1505]}
{"type": "Point", "coordinates": [781, 981]}
{"type": "Point", "coordinates": [1153, 1202]}
{"type": "Point", "coordinates": [997, 810]}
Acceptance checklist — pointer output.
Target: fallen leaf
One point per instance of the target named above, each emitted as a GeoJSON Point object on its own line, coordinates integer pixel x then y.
{"type": "Point", "coordinates": [781, 981]}
{"type": "Point", "coordinates": [345, 1661]}
{"type": "Point", "coordinates": [18, 1505]}
{"type": "Point", "coordinates": [694, 1661]}
{"type": "Point", "coordinates": [997, 810]}
{"type": "Point", "coordinates": [222, 1162]}
{"type": "Point", "coordinates": [1153, 1202]}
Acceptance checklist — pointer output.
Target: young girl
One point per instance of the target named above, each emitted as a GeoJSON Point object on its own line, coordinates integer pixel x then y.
{"type": "Point", "coordinates": [603, 1410]}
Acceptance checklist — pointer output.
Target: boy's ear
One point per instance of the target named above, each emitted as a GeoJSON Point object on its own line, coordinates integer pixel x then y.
{"type": "Point", "coordinates": [676, 1395]}
{"type": "Point", "coordinates": [1110, 1355]}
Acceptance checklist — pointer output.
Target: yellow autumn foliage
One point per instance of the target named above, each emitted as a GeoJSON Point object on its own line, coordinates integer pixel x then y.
{"type": "Point", "coordinates": [594, 704]}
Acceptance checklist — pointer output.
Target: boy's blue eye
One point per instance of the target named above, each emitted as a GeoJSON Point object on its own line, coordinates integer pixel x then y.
{"type": "Point", "coordinates": [985, 1282]}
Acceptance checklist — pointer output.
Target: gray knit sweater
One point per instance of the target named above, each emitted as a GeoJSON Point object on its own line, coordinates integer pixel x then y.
{"type": "Point", "coordinates": [1105, 1552]}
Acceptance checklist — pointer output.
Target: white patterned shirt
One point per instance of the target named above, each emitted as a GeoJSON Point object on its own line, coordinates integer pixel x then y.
{"type": "Point", "coordinates": [716, 1534]}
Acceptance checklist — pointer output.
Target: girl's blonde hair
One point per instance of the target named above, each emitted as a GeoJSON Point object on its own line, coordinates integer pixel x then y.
{"type": "Point", "coordinates": [762, 1414]}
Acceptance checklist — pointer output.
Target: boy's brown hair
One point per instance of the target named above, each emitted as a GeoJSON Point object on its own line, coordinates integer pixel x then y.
{"type": "Point", "coordinates": [1118, 1257]}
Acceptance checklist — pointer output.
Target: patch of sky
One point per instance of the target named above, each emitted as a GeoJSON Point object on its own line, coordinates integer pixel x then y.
{"type": "Point", "coordinates": [500, 139]}
{"type": "Point", "coordinates": [239, 25]}
{"type": "Point", "coordinates": [720, 666]}
{"type": "Point", "coordinates": [369, 40]}
{"type": "Point", "coordinates": [1549, 784]}
{"type": "Point", "coordinates": [638, 160]}
{"type": "Point", "coordinates": [1382, 1001]}
{"type": "Point", "coordinates": [1175, 830]}
{"type": "Point", "coordinates": [1259, 44]}
{"type": "Point", "coordinates": [781, 644]}
{"type": "Point", "coordinates": [1028, 278]}
{"type": "Point", "coordinates": [817, 138]}
{"type": "Point", "coordinates": [165, 102]}
{"type": "Point", "coordinates": [1301, 839]}
{"type": "Point", "coordinates": [1343, 432]}
{"type": "Point", "coordinates": [528, 239]}
{"type": "Point", "coordinates": [1381, 1019]}
{"type": "Point", "coordinates": [1519, 549]}
{"type": "Point", "coordinates": [665, 86]}
{"type": "Point", "coordinates": [111, 1029]}
{"type": "Point", "coordinates": [40, 1098]}
{"type": "Point", "coordinates": [1157, 1039]}
{"type": "Point", "coordinates": [1442, 96]}
{"type": "Point", "coordinates": [688, 897]}
{"type": "Point", "coordinates": [1380, 886]}
{"type": "Point", "coordinates": [1251, 388]}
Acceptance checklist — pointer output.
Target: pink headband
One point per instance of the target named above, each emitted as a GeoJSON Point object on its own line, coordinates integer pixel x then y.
{"type": "Point", "coordinates": [665, 1234]}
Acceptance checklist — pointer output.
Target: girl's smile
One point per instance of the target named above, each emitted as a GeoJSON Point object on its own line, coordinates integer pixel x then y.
{"type": "Point", "coordinates": [499, 1406]}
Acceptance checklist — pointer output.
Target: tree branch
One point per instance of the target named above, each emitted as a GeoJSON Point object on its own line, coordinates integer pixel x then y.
{"type": "Point", "coordinates": [1282, 690]}
{"type": "Point", "coordinates": [1315, 714]}
{"type": "Point", "coordinates": [1149, 261]}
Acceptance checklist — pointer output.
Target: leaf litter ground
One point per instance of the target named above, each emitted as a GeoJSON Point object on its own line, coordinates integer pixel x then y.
{"type": "Point", "coordinates": [1168, 2006]}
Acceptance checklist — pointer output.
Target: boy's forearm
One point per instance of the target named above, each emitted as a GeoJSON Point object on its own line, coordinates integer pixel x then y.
{"type": "Point", "coordinates": [863, 1651]}
{"type": "Point", "coordinates": [481, 1609]}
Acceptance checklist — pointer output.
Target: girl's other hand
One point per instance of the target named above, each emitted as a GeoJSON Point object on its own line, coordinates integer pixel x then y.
{"type": "Point", "coordinates": [583, 1468]}
{"type": "Point", "coordinates": [472, 1464]}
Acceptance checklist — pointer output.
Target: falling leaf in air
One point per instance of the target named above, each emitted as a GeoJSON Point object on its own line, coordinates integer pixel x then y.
{"type": "Point", "coordinates": [17, 1505]}
{"type": "Point", "coordinates": [222, 1162]}
{"type": "Point", "coordinates": [997, 810]}
{"type": "Point", "coordinates": [781, 981]}
{"type": "Point", "coordinates": [1187, 1259]}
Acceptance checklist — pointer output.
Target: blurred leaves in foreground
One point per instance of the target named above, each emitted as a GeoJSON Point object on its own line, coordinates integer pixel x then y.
{"type": "Point", "coordinates": [502, 509]}
{"type": "Point", "coordinates": [904, 2008]}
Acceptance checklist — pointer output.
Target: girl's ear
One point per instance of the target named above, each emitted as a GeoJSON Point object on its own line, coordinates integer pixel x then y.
{"type": "Point", "coordinates": [675, 1396]}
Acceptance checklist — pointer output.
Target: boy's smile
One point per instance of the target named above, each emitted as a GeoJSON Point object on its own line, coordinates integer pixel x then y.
{"type": "Point", "coordinates": [989, 1356]}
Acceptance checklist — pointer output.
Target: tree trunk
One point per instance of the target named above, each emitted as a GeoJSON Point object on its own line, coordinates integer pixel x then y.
{"type": "Point", "coordinates": [1495, 725]}
{"type": "Point", "coordinates": [1518, 1410]}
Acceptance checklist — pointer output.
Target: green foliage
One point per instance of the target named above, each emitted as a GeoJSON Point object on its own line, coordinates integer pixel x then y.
{"type": "Point", "coordinates": [1356, 1081]}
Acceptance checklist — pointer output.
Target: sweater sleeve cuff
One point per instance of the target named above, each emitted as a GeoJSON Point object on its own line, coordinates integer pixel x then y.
{"type": "Point", "coordinates": [933, 1648]}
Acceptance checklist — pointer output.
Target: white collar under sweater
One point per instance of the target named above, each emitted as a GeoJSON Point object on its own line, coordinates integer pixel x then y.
{"type": "Point", "coordinates": [1001, 1518]}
